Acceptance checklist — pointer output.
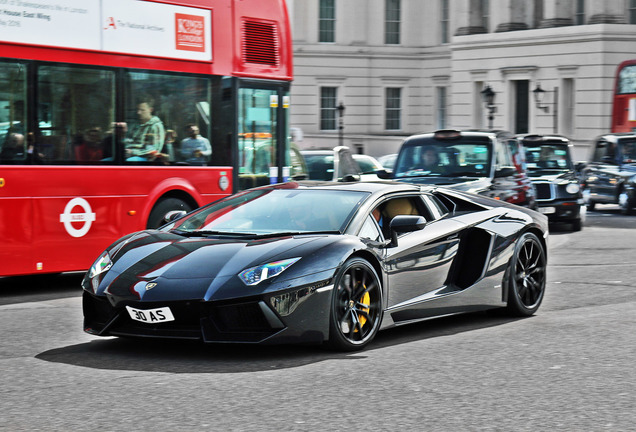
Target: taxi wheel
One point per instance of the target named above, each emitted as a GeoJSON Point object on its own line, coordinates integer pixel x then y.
{"type": "Point", "coordinates": [625, 202]}
{"type": "Point", "coordinates": [525, 276]}
{"type": "Point", "coordinates": [356, 306]}
{"type": "Point", "coordinates": [162, 208]}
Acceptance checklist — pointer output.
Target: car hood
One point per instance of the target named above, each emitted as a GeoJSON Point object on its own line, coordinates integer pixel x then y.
{"type": "Point", "coordinates": [159, 266]}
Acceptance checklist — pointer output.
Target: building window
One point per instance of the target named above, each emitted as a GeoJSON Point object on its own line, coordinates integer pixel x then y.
{"type": "Point", "coordinates": [328, 111]}
{"type": "Point", "coordinates": [580, 12]}
{"type": "Point", "coordinates": [327, 21]}
{"type": "Point", "coordinates": [392, 22]}
{"type": "Point", "coordinates": [632, 11]}
{"type": "Point", "coordinates": [441, 108]}
{"type": "Point", "coordinates": [485, 14]}
{"type": "Point", "coordinates": [445, 24]}
{"type": "Point", "coordinates": [393, 108]}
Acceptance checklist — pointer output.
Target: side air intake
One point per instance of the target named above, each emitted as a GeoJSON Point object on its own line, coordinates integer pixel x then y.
{"type": "Point", "coordinates": [260, 43]}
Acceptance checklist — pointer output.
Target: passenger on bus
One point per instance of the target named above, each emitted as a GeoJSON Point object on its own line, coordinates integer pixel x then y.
{"type": "Point", "coordinates": [89, 146]}
{"type": "Point", "coordinates": [140, 149]}
{"type": "Point", "coordinates": [13, 148]}
{"type": "Point", "coordinates": [195, 149]}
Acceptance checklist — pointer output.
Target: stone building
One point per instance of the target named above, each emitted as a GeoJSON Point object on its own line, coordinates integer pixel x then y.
{"type": "Point", "coordinates": [400, 67]}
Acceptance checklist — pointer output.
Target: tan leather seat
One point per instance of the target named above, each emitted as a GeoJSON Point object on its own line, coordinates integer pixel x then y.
{"type": "Point", "coordinates": [399, 206]}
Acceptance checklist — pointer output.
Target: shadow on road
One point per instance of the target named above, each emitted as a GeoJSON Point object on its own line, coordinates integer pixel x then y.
{"type": "Point", "coordinates": [190, 357]}
{"type": "Point", "coordinates": [20, 289]}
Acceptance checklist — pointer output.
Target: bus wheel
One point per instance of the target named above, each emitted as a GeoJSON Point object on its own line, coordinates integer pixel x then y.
{"type": "Point", "coordinates": [161, 210]}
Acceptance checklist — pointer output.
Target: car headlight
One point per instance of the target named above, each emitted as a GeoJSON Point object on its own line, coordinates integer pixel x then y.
{"type": "Point", "coordinates": [255, 275]}
{"type": "Point", "coordinates": [101, 265]}
{"type": "Point", "coordinates": [572, 188]}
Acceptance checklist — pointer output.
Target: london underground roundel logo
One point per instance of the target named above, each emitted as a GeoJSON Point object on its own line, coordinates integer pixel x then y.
{"type": "Point", "coordinates": [87, 217]}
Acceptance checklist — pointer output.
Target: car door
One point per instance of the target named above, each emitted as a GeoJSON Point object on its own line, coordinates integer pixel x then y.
{"type": "Point", "coordinates": [420, 262]}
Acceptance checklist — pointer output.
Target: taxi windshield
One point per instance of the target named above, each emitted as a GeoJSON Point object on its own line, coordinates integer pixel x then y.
{"type": "Point", "coordinates": [541, 158]}
{"type": "Point", "coordinates": [444, 159]}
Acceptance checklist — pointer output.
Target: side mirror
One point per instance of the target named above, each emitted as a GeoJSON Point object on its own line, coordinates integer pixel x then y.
{"type": "Point", "coordinates": [174, 215]}
{"type": "Point", "coordinates": [350, 178]}
{"type": "Point", "coordinates": [505, 172]}
{"type": "Point", "coordinates": [403, 224]}
{"type": "Point", "coordinates": [384, 174]}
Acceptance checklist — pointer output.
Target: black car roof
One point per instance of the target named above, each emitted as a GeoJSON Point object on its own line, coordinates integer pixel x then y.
{"type": "Point", "coordinates": [532, 139]}
{"type": "Point", "coordinates": [370, 186]}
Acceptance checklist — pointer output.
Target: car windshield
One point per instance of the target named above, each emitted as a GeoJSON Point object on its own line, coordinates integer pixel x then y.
{"type": "Point", "coordinates": [442, 159]}
{"type": "Point", "coordinates": [542, 158]}
{"type": "Point", "coordinates": [629, 150]}
{"type": "Point", "coordinates": [271, 211]}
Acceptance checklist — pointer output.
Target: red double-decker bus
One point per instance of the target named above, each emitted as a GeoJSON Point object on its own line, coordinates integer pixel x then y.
{"type": "Point", "coordinates": [624, 100]}
{"type": "Point", "coordinates": [114, 113]}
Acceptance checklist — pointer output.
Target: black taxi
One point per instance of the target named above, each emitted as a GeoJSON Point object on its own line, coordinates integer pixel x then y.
{"type": "Point", "coordinates": [489, 163]}
{"type": "Point", "coordinates": [555, 178]}
{"type": "Point", "coordinates": [610, 175]}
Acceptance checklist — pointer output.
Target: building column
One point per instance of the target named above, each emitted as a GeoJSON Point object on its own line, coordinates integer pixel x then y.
{"type": "Point", "coordinates": [605, 12]}
{"type": "Point", "coordinates": [557, 13]}
{"type": "Point", "coordinates": [469, 17]}
{"type": "Point", "coordinates": [509, 15]}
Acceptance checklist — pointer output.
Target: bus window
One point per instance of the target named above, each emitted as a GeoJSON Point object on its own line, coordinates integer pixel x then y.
{"type": "Point", "coordinates": [12, 111]}
{"type": "Point", "coordinates": [160, 102]}
{"type": "Point", "coordinates": [76, 107]}
{"type": "Point", "coordinates": [256, 136]}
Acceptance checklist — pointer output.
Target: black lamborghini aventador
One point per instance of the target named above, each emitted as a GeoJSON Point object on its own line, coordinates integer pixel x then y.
{"type": "Point", "coordinates": [315, 262]}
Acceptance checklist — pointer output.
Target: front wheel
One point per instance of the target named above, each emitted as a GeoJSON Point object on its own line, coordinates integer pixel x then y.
{"type": "Point", "coordinates": [526, 276]}
{"type": "Point", "coordinates": [162, 208]}
{"type": "Point", "coordinates": [356, 306]}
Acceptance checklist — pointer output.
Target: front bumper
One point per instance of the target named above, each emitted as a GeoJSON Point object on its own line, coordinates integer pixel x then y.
{"type": "Point", "coordinates": [560, 211]}
{"type": "Point", "coordinates": [298, 315]}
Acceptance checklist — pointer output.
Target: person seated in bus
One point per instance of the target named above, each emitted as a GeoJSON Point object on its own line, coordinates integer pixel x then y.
{"type": "Point", "coordinates": [195, 149]}
{"type": "Point", "coordinates": [33, 156]}
{"type": "Point", "coordinates": [13, 148]}
{"type": "Point", "coordinates": [140, 148]}
{"type": "Point", "coordinates": [89, 146]}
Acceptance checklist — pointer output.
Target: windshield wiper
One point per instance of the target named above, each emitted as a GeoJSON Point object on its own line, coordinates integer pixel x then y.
{"type": "Point", "coordinates": [293, 233]}
{"type": "Point", "coordinates": [206, 233]}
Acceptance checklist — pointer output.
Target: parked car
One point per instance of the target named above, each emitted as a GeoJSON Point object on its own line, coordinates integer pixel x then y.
{"type": "Point", "coordinates": [555, 178]}
{"type": "Point", "coordinates": [489, 163]}
{"type": "Point", "coordinates": [336, 164]}
{"type": "Point", "coordinates": [388, 161]}
{"type": "Point", "coordinates": [610, 175]}
{"type": "Point", "coordinates": [307, 262]}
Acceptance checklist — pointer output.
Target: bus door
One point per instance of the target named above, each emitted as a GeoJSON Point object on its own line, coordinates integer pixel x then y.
{"type": "Point", "coordinates": [262, 138]}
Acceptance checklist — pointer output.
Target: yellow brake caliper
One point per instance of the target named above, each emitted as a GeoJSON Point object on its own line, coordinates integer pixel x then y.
{"type": "Point", "coordinates": [365, 300]}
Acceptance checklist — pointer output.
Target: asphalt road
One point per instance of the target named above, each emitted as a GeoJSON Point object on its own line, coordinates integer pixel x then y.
{"type": "Point", "coordinates": [568, 368]}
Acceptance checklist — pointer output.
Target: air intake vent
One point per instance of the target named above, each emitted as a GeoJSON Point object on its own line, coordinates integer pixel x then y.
{"type": "Point", "coordinates": [260, 43]}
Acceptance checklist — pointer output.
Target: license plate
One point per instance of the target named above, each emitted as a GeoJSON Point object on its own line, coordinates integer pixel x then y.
{"type": "Point", "coordinates": [547, 210]}
{"type": "Point", "coordinates": [150, 316]}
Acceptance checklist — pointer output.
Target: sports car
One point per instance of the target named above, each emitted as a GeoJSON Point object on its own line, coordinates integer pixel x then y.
{"type": "Point", "coordinates": [319, 262]}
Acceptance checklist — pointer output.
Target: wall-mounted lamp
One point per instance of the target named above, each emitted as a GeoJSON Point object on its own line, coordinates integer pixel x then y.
{"type": "Point", "coordinates": [539, 94]}
{"type": "Point", "coordinates": [489, 101]}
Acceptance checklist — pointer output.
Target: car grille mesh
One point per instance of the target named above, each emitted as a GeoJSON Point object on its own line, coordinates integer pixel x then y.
{"type": "Point", "coordinates": [545, 191]}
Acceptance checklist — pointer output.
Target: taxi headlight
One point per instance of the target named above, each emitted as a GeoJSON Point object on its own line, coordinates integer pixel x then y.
{"type": "Point", "coordinates": [255, 275]}
{"type": "Point", "coordinates": [572, 188]}
{"type": "Point", "coordinates": [101, 265]}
